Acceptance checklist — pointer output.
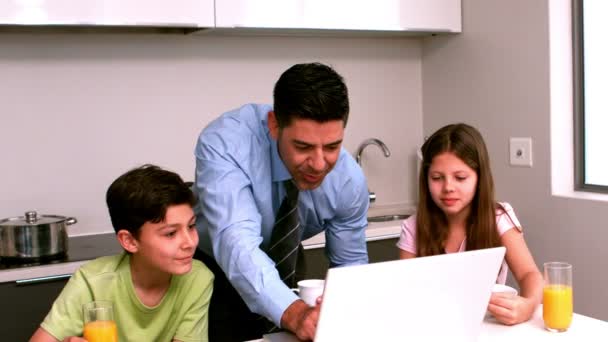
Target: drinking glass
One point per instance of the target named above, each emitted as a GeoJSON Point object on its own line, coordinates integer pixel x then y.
{"type": "Point", "coordinates": [557, 296]}
{"type": "Point", "coordinates": [99, 325]}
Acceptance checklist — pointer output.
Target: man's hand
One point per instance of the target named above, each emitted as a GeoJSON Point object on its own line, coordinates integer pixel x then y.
{"type": "Point", "coordinates": [301, 319]}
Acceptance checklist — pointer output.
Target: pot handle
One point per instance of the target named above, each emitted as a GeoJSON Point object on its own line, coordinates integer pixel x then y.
{"type": "Point", "coordinates": [70, 221]}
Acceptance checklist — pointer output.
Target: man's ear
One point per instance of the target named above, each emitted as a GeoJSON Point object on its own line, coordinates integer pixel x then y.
{"type": "Point", "coordinates": [127, 241]}
{"type": "Point", "coordinates": [273, 125]}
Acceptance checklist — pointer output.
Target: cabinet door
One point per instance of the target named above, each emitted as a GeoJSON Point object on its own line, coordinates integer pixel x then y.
{"type": "Point", "coordinates": [382, 250]}
{"type": "Point", "coordinates": [179, 13]}
{"type": "Point", "coordinates": [378, 251]}
{"type": "Point", "coordinates": [24, 306]}
{"type": "Point", "coordinates": [316, 263]}
{"type": "Point", "coordinates": [379, 15]}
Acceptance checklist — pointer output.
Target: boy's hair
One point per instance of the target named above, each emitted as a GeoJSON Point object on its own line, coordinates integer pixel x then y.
{"type": "Point", "coordinates": [466, 143]}
{"type": "Point", "coordinates": [310, 91]}
{"type": "Point", "coordinates": [143, 194]}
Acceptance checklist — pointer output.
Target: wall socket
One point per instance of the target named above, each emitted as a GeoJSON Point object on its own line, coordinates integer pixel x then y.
{"type": "Point", "coordinates": [520, 152]}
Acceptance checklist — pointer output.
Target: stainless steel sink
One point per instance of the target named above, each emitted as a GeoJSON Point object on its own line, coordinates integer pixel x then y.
{"type": "Point", "coordinates": [386, 218]}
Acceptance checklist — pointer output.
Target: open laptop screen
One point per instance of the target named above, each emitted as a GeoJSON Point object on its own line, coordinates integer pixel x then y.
{"type": "Point", "coordinates": [425, 299]}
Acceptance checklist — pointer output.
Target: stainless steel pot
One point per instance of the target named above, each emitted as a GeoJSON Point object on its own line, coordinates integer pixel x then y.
{"type": "Point", "coordinates": [34, 236]}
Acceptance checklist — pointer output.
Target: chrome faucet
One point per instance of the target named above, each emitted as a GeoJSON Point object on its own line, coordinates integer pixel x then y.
{"type": "Point", "coordinates": [362, 146]}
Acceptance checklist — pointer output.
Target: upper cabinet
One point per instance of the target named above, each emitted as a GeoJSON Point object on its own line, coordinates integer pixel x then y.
{"type": "Point", "coordinates": [174, 13]}
{"type": "Point", "coordinates": [432, 16]}
{"type": "Point", "coordinates": [393, 16]}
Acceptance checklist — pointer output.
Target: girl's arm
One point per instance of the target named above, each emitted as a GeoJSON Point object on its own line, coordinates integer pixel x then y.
{"type": "Point", "coordinates": [405, 255]}
{"type": "Point", "coordinates": [522, 265]}
{"type": "Point", "coordinates": [530, 281]}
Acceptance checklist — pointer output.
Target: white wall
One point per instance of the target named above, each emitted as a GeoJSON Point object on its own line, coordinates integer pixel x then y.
{"type": "Point", "coordinates": [77, 110]}
{"type": "Point", "coordinates": [495, 76]}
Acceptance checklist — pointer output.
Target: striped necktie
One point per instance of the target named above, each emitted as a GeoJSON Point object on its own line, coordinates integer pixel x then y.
{"type": "Point", "coordinates": [285, 237]}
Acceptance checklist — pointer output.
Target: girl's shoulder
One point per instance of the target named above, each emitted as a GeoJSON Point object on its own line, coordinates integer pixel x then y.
{"type": "Point", "coordinates": [410, 222]}
{"type": "Point", "coordinates": [504, 207]}
{"type": "Point", "coordinates": [506, 218]}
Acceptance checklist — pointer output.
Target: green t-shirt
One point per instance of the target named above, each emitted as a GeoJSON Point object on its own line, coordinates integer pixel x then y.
{"type": "Point", "coordinates": [181, 314]}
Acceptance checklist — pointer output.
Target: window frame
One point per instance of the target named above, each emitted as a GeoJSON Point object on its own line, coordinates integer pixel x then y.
{"type": "Point", "coordinates": [578, 54]}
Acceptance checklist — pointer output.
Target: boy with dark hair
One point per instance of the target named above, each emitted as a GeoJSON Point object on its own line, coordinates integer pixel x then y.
{"type": "Point", "coordinates": [158, 291]}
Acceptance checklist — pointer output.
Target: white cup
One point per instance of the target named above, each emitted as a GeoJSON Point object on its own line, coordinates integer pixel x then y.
{"type": "Point", "coordinates": [309, 290]}
{"type": "Point", "coordinates": [507, 291]}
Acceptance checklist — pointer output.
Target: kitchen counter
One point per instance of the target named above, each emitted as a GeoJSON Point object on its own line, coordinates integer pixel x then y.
{"type": "Point", "coordinates": [80, 250]}
{"type": "Point", "coordinates": [87, 247]}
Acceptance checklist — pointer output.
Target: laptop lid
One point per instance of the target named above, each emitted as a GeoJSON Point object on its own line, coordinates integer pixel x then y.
{"type": "Point", "coordinates": [434, 298]}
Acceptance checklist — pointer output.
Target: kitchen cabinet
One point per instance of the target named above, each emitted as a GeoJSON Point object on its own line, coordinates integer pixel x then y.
{"type": "Point", "coordinates": [423, 16]}
{"type": "Point", "coordinates": [175, 13]}
{"type": "Point", "coordinates": [378, 251]}
{"type": "Point", "coordinates": [24, 306]}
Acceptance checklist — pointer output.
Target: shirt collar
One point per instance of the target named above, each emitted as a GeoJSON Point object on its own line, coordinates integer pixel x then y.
{"type": "Point", "coordinates": [279, 171]}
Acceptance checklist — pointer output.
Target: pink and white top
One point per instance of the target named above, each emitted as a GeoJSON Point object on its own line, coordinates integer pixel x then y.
{"type": "Point", "coordinates": [504, 221]}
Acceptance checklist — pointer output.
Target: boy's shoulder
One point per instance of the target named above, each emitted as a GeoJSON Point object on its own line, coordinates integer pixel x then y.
{"type": "Point", "coordinates": [200, 272]}
{"type": "Point", "coordinates": [105, 264]}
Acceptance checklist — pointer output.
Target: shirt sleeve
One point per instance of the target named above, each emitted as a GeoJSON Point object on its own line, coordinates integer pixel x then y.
{"type": "Point", "coordinates": [407, 238]}
{"type": "Point", "coordinates": [345, 234]}
{"type": "Point", "coordinates": [195, 325]}
{"type": "Point", "coordinates": [234, 224]}
{"type": "Point", "coordinates": [505, 220]}
{"type": "Point", "coordinates": [65, 318]}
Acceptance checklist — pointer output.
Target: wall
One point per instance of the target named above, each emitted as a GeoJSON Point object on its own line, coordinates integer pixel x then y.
{"type": "Point", "coordinates": [80, 109]}
{"type": "Point", "coordinates": [495, 76]}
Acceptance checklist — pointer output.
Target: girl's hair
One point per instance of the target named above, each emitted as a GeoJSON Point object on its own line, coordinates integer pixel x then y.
{"type": "Point", "coordinates": [466, 143]}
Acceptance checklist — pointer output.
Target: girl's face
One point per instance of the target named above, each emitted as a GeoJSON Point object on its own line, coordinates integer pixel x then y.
{"type": "Point", "coordinates": [452, 185]}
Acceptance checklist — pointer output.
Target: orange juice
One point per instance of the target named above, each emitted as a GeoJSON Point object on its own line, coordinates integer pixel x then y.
{"type": "Point", "coordinates": [557, 306]}
{"type": "Point", "coordinates": [100, 331]}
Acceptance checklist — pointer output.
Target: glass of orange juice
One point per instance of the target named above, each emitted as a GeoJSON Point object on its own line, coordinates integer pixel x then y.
{"type": "Point", "coordinates": [557, 296]}
{"type": "Point", "coordinates": [99, 324]}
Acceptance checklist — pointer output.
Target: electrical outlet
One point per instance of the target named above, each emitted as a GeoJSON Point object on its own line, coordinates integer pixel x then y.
{"type": "Point", "coordinates": [520, 151]}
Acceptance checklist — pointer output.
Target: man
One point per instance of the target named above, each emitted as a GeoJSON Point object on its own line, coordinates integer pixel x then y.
{"type": "Point", "coordinates": [248, 161]}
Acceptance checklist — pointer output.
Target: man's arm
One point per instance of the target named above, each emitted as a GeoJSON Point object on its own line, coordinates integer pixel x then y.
{"type": "Point", "coordinates": [345, 234]}
{"type": "Point", "coordinates": [233, 220]}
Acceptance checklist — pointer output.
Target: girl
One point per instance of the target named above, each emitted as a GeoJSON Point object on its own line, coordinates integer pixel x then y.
{"type": "Point", "coordinates": [457, 212]}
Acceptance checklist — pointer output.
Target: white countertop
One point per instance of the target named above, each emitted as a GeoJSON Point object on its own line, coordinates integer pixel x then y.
{"type": "Point", "coordinates": [375, 231]}
{"type": "Point", "coordinates": [583, 328]}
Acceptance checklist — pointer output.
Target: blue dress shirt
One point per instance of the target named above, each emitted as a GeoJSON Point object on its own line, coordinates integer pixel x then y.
{"type": "Point", "coordinates": [239, 177]}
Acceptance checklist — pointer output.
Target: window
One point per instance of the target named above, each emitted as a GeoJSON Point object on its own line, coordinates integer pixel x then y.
{"type": "Point", "coordinates": [590, 95]}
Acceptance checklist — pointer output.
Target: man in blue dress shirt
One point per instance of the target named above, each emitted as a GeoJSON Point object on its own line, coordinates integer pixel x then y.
{"type": "Point", "coordinates": [242, 160]}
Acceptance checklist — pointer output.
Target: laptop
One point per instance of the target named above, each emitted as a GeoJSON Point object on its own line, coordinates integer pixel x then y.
{"type": "Point", "coordinates": [437, 298]}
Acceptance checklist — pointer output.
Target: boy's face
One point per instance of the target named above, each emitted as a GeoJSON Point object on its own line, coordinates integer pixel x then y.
{"type": "Point", "coordinates": [168, 246]}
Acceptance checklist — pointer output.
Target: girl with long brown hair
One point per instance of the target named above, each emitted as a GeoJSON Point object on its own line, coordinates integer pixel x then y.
{"type": "Point", "coordinates": [457, 212]}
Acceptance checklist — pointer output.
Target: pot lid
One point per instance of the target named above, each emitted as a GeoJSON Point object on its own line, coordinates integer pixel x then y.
{"type": "Point", "coordinates": [31, 218]}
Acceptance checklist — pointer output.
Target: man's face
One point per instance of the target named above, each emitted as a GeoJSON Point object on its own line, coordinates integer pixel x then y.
{"type": "Point", "coordinates": [309, 149]}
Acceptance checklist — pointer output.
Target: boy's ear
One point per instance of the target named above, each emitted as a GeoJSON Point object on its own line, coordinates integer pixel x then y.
{"type": "Point", "coordinates": [273, 125]}
{"type": "Point", "coordinates": [127, 241]}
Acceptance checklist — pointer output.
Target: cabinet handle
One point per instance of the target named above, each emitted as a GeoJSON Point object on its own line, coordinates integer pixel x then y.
{"type": "Point", "coordinates": [42, 279]}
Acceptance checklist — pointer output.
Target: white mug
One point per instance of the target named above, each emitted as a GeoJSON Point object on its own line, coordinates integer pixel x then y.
{"type": "Point", "coordinates": [309, 290]}
{"type": "Point", "coordinates": [507, 291]}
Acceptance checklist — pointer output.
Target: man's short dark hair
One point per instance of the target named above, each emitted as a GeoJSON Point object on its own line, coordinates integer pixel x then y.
{"type": "Point", "coordinates": [143, 194]}
{"type": "Point", "coordinates": [310, 91]}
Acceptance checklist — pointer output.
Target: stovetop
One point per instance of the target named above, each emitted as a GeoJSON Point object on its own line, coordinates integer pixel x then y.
{"type": "Point", "coordinates": [80, 248]}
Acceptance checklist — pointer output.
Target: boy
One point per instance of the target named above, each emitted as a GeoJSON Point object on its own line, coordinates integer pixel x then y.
{"type": "Point", "coordinates": [159, 292]}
